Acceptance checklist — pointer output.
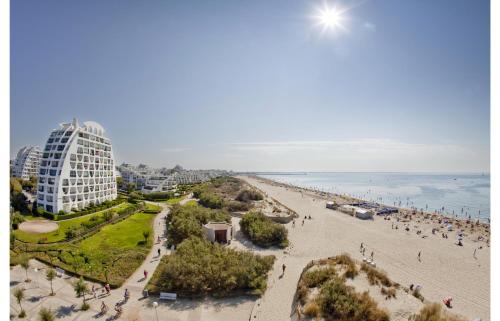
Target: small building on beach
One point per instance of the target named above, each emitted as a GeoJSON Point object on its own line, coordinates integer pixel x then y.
{"type": "Point", "coordinates": [220, 232]}
{"type": "Point", "coordinates": [358, 212]}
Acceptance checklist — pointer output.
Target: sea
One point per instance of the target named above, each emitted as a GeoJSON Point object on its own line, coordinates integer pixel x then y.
{"type": "Point", "coordinates": [459, 195]}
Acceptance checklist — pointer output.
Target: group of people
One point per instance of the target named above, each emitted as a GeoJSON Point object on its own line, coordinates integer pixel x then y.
{"type": "Point", "coordinates": [303, 221]}
{"type": "Point", "coordinates": [362, 250]}
{"type": "Point", "coordinates": [118, 305]}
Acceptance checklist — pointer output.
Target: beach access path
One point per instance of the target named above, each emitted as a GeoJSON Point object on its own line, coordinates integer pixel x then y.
{"type": "Point", "coordinates": [445, 268]}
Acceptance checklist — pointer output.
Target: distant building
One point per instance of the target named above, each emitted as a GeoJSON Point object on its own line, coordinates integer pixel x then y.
{"type": "Point", "coordinates": [27, 162]}
{"type": "Point", "coordinates": [77, 168]}
{"type": "Point", "coordinates": [149, 180]}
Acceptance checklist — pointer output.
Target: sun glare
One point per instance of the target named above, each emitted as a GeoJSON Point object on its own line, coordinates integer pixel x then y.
{"type": "Point", "coordinates": [330, 18]}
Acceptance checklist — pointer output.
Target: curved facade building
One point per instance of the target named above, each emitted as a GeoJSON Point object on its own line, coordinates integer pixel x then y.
{"type": "Point", "coordinates": [77, 168]}
{"type": "Point", "coordinates": [27, 162]}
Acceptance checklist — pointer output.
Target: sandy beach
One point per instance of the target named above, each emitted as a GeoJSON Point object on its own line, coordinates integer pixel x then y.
{"type": "Point", "coordinates": [445, 269]}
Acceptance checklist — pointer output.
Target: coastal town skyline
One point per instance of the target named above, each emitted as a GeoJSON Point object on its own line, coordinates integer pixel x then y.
{"type": "Point", "coordinates": [263, 87]}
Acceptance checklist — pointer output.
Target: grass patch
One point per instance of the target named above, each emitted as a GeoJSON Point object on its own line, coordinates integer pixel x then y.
{"type": "Point", "coordinates": [434, 312]}
{"type": "Point", "coordinates": [263, 231]}
{"type": "Point", "coordinates": [339, 301]}
{"type": "Point", "coordinates": [173, 201]}
{"type": "Point", "coordinates": [199, 267]}
{"type": "Point", "coordinates": [110, 255]}
{"type": "Point", "coordinates": [376, 276]}
{"type": "Point", "coordinates": [76, 224]}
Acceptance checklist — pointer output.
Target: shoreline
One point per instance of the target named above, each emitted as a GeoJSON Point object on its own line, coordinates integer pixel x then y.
{"type": "Point", "coordinates": [327, 196]}
{"type": "Point", "coordinates": [438, 211]}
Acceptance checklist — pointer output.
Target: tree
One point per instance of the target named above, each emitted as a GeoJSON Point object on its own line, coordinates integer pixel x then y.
{"type": "Point", "coordinates": [119, 181]}
{"type": "Point", "coordinates": [46, 315]}
{"type": "Point", "coordinates": [25, 264]}
{"type": "Point", "coordinates": [146, 235]}
{"type": "Point", "coordinates": [131, 187]}
{"type": "Point", "coordinates": [80, 288]}
{"type": "Point", "coordinates": [51, 274]}
{"type": "Point", "coordinates": [134, 197]}
{"type": "Point", "coordinates": [19, 295]}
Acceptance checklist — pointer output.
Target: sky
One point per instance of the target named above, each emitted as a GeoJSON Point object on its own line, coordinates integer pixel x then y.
{"type": "Point", "coordinates": [260, 85]}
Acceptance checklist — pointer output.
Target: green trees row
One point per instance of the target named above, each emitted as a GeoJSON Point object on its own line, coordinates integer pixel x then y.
{"type": "Point", "coordinates": [263, 231]}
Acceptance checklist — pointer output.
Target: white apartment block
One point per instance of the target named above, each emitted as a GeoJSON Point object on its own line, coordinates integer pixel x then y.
{"type": "Point", "coordinates": [27, 162]}
{"type": "Point", "coordinates": [77, 168]}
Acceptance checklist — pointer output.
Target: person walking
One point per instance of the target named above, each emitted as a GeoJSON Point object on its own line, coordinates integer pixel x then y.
{"type": "Point", "coordinates": [145, 274]}
{"type": "Point", "coordinates": [293, 223]}
{"type": "Point", "coordinates": [371, 256]}
{"type": "Point", "coordinates": [419, 253]}
{"type": "Point", "coordinates": [107, 288]}
{"type": "Point", "coordinates": [159, 252]}
{"type": "Point", "coordinates": [302, 222]}
{"type": "Point", "coordinates": [284, 268]}
{"type": "Point", "coordinates": [474, 255]}
{"type": "Point", "coordinates": [93, 291]}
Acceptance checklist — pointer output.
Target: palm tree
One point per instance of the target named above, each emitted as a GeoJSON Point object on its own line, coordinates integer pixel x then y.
{"type": "Point", "coordinates": [80, 288]}
{"type": "Point", "coordinates": [19, 295]}
{"type": "Point", "coordinates": [46, 315]}
{"type": "Point", "coordinates": [51, 274]}
{"type": "Point", "coordinates": [25, 264]}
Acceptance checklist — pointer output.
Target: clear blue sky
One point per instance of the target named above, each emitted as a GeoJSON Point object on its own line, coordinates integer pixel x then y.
{"type": "Point", "coordinates": [256, 85]}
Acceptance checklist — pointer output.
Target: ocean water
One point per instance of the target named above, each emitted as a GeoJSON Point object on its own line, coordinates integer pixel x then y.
{"type": "Point", "coordinates": [449, 194]}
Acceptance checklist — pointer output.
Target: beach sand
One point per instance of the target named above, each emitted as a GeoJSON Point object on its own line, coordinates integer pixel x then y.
{"type": "Point", "coordinates": [445, 269]}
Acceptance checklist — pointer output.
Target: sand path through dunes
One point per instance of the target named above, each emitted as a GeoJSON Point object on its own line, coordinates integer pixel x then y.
{"type": "Point", "coordinates": [445, 269]}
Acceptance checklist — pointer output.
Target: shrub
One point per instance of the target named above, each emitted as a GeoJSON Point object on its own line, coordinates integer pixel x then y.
{"type": "Point", "coordinates": [185, 221]}
{"type": "Point", "coordinates": [156, 196]}
{"type": "Point", "coordinates": [349, 264]}
{"type": "Point", "coordinates": [249, 195]}
{"type": "Point", "coordinates": [376, 276]}
{"type": "Point", "coordinates": [236, 206]}
{"type": "Point", "coordinates": [340, 302]}
{"type": "Point", "coordinates": [210, 200]}
{"type": "Point", "coordinates": [434, 312]}
{"type": "Point", "coordinates": [317, 277]}
{"type": "Point", "coordinates": [416, 293]}
{"type": "Point", "coordinates": [312, 309]}
{"type": "Point", "coordinates": [199, 267]}
{"type": "Point", "coordinates": [263, 231]}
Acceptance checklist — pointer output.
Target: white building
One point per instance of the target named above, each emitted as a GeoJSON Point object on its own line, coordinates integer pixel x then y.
{"type": "Point", "coordinates": [77, 168]}
{"type": "Point", "coordinates": [27, 162]}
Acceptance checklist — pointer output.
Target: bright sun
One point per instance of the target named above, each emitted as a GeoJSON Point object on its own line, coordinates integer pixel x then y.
{"type": "Point", "coordinates": [331, 18]}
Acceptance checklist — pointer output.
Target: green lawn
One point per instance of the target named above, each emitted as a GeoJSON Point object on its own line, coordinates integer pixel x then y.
{"type": "Point", "coordinates": [152, 207]}
{"type": "Point", "coordinates": [175, 200]}
{"type": "Point", "coordinates": [59, 234]}
{"type": "Point", "coordinates": [123, 235]}
{"type": "Point", "coordinates": [110, 255]}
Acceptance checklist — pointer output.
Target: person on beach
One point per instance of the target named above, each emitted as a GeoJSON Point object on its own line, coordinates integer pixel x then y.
{"type": "Point", "coordinates": [302, 222]}
{"type": "Point", "coordinates": [371, 256]}
{"type": "Point", "coordinates": [474, 255]}
{"type": "Point", "coordinates": [361, 247]}
{"type": "Point", "coordinates": [284, 268]}
{"type": "Point", "coordinates": [293, 223]}
{"type": "Point", "coordinates": [419, 253]}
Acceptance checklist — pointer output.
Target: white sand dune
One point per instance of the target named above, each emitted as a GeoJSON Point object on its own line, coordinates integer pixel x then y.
{"type": "Point", "coordinates": [445, 269]}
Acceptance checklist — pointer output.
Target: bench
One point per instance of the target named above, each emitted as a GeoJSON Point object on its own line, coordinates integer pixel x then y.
{"type": "Point", "coordinates": [168, 296]}
{"type": "Point", "coordinates": [59, 272]}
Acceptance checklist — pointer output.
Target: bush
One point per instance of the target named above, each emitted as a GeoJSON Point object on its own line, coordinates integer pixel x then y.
{"type": "Point", "coordinates": [185, 221]}
{"type": "Point", "coordinates": [236, 206]}
{"type": "Point", "coordinates": [376, 276]}
{"type": "Point", "coordinates": [263, 231]}
{"type": "Point", "coordinates": [199, 267]}
{"type": "Point", "coordinates": [210, 200]}
{"type": "Point", "coordinates": [434, 312]}
{"type": "Point", "coordinates": [249, 195]}
{"type": "Point", "coordinates": [319, 276]}
{"type": "Point", "coordinates": [158, 196]}
{"type": "Point", "coordinates": [339, 301]}
{"type": "Point", "coordinates": [312, 309]}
